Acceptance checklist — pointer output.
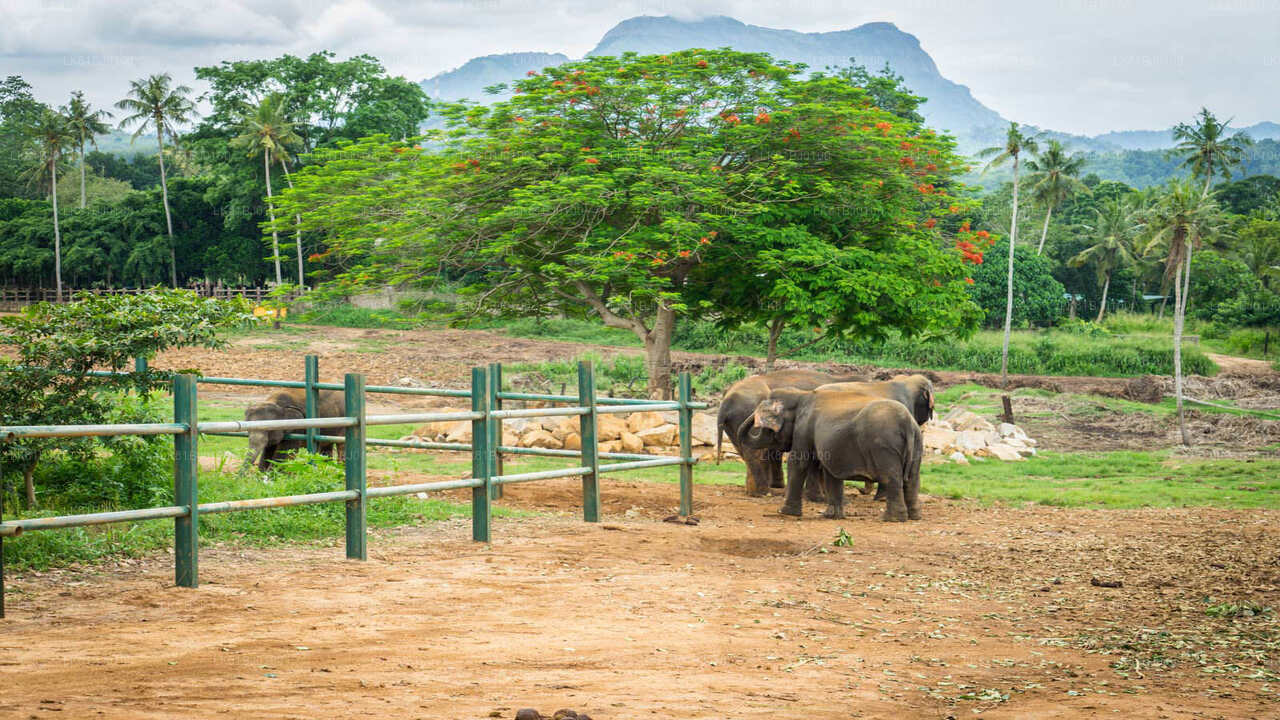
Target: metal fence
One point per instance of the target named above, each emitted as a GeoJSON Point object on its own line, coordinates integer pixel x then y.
{"type": "Point", "coordinates": [487, 475]}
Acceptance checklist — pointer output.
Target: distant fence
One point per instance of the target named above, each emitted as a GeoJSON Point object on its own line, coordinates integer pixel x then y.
{"type": "Point", "coordinates": [16, 298]}
{"type": "Point", "coordinates": [486, 481]}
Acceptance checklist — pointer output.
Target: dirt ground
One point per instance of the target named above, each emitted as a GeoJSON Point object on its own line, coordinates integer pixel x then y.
{"type": "Point", "coordinates": [1002, 612]}
{"type": "Point", "coordinates": [746, 615]}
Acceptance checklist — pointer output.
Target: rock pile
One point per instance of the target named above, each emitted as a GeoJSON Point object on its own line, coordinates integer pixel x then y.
{"type": "Point", "coordinates": [961, 434]}
{"type": "Point", "coordinates": [640, 432]}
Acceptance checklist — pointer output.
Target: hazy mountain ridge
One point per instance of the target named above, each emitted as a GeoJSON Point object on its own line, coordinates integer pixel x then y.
{"type": "Point", "coordinates": [470, 79]}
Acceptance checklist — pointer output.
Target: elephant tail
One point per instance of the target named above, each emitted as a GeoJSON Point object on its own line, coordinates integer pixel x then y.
{"type": "Point", "coordinates": [719, 431]}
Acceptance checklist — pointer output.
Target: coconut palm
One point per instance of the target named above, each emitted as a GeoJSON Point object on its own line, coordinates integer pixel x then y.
{"type": "Point", "coordinates": [52, 134]}
{"type": "Point", "coordinates": [1113, 233]}
{"type": "Point", "coordinates": [1178, 223]}
{"type": "Point", "coordinates": [1016, 143]}
{"type": "Point", "coordinates": [265, 131]}
{"type": "Point", "coordinates": [1207, 147]}
{"type": "Point", "coordinates": [155, 103]}
{"type": "Point", "coordinates": [87, 123]}
{"type": "Point", "coordinates": [1055, 181]}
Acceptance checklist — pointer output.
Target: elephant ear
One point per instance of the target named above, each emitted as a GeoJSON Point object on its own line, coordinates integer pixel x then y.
{"type": "Point", "coordinates": [768, 415]}
{"type": "Point", "coordinates": [292, 412]}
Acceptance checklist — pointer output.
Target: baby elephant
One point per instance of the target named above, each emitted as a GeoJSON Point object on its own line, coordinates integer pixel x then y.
{"type": "Point", "coordinates": [836, 436]}
{"type": "Point", "coordinates": [266, 446]}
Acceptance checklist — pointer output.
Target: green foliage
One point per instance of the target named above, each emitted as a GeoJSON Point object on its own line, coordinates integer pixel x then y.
{"type": "Point", "coordinates": [630, 188]}
{"type": "Point", "coordinates": [712, 381]}
{"type": "Point", "coordinates": [620, 376]}
{"type": "Point", "coordinates": [843, 539]}
{"type": "Point", "coordinates": [341, 314]}
{"type": "Point", "coordinates": [1038, 299]}
{"type": "Point", "coordinates": [55, 346]}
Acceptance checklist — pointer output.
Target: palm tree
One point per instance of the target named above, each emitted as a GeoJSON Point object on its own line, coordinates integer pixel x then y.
{"type": "Point", "coordinates": [1178, 223]}
{"type": "Point", "coordinates": [87, 123]}
{"type": "Point", "coordinates": [155, 104]}
{"type": "Point", "coordinates": [1207, 147]}
{"type": "Point", "coordinates": [1054, 181]}
{"type": "Point", "coordinates": [1114, 231]}
{"type": "Point", "coordinates": [266, 131]}
{"type": "Point", "coordinates": [52, 133]}
{"type": "Point", "coordinates": [1015, 144]}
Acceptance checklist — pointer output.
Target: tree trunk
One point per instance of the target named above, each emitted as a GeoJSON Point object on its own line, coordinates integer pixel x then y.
{"type": "Point", "coordinates": [1105, 286]}
{"type": "Point", "coordinates": [271, 213]}
{"type": "Point", "coordinates": [1179, 300]}
{"type": "Point", "coordinates": [82, 169]}
{"type": "Point", "coordinates": [657, 353]}
{"type": "Point", "coordinates": [775, 331]}
{"type": "Point", "coordinates": [1048, 213]}
{"type": "Point", "coordinates": [28, 482]}
{"type": "Point", "coordinates": [57, 228]}
{"type": "Point", "coordinates": [1163, 301]}
{"type": "Point", "coordinates": [168, 217]}
{"type": "Point", "coordinates": [297, 229]}
{"type": "Point", "coordinates": [1008, 307]}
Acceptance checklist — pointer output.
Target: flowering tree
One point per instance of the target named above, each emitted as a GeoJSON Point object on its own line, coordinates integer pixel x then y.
{"type": "Point", "coordinates": [643, 189]}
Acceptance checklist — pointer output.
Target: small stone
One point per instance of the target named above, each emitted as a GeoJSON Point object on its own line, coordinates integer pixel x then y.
{"type": "Point", "coordinates": [958, 457]}
{"type": "Point", "coordinates": [565, 714]}
{"type": "Point", "coordinates": [528, 714]}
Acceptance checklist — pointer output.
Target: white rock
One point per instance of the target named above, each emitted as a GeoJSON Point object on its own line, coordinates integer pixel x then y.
{"type": "Point", "coordinates": [970, 441]}
{"type": "Point", "coordinates": [1000, 452]}
{"type": "Point", "coordinates": [704, 429]}
{"type": "Point", "coordinates": [1008, 430]}
{"type": "Point", "coordinates": [662, 436]}
{"type": "Point", "coordinates": [958, 457]}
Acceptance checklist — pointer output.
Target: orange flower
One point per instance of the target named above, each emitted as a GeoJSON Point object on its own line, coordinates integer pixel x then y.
{"type": "Point", "coordinates": [532, 73]}
{"type": "Point", "coordinates": [930, 222]}
{"type": "Point", "coordinates": [681, 112]}
{"type": "Point", "coordinates": [762, 118]}
{"type": "Point", "coordinates": [931, 167]}
{"type": "Point", "coordinates": [585, 149]}
{"type": "Point", "coordinates": [701, 63]}
{"type": "Point", "coordinates": [732, 119]}
{"type": "Point", "coordinates": [656, 261]}
{"type": "Point", "coordinates": [685, 253]}
{"type": "Point", "coordinates": [983, 234]}
{"type": "Point", "coordinates": [953, 209]}
{"type": "Point", "coordinates": [904, 145]}
{"type": "Point", "coordinates": [518, 119]}
{"type": "Point", "coordinates": [315, 256]}
{"type": "Point", "coordinates": [704, 241]}
{"type": "Point", "coordinates": [969, 280]}
{"type": "Point", "coordinates": [591, 161]}
{"type": "Point", "coordinates": [964, 227]}
{"type": "Point", "coordinates": [713, 233]}
{"type": "Point", "coordinates": [557, 83]}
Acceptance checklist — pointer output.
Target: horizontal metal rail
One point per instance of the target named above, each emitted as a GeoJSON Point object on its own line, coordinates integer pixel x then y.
{"type": "Point", "coordinates": [289, 424]}
{"type": "Point", "coordinates": [537, 412]}
{"type": "Point", "coordinates": [277, 502]}
{"type": "Point", "coordinates": [9, 531]}
{"type": "Point", "coordinates": [647, 407]}
{"type": "Point", "coordinates": [102, 518]}
{"type": "Point", "coordinates": [12, 432]}
{"type": "Point", "coordinates": [541, 397]}
{"type": "Point", "coordinates": [460, 447]}
{"type": "Point", "coordinates": [392, 490]}
{"type": "Point", "coordinates": [540, 475]}
{"type": "Point", "coordinates": [413, 418]}
{"type": "Point", "coordinates": [656, 462]}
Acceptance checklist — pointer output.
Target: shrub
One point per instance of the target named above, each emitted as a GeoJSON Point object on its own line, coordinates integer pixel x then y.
{"type": "Point", "coordinates": [1038, 298]}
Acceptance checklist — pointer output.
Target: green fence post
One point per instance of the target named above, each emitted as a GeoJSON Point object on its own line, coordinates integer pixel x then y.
{"type": "Point", "coordinates": [140, 368]}
{"type": "Point", "coordinates": [357, 525]}
{"type": "Point", "coordinates": [186, 468]}
{"type": "Point", "coordinates": [312, 370]}
{"type": "Point", "coordinates": [685, 394]}
{"type": "Point", "coordinates": [590, 448]}
{"type": "Point", "coordinates": [480, 505]}
{"type": "Point", "coordinates": [495, 426]}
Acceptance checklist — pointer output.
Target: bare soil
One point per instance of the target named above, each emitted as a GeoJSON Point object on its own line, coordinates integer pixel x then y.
{"type": "Point", "coordinates": [746, 615]}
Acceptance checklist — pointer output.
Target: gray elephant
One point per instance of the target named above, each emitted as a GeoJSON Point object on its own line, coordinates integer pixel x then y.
{"type": "Point", "coordinates": [838, 436]}
{"type": "Point", "coordinates": [764, 467]}
{"type": "Point", "coordinates": [266, 446]}
{"type": "Point", "coordinates": [915, 392]}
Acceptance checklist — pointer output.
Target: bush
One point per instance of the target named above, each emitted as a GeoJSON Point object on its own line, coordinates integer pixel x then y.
{"type": "Point", "coordinates": [341, 314]}
{"type": "Point", "coordinates": [1038, 298]}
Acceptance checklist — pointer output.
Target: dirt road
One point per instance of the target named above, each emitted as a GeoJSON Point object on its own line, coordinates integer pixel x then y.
{"type": "Point", "coordinates": [747, 615]}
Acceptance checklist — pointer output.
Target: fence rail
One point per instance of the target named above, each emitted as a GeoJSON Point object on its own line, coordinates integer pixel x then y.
{"type": "Point", "coordinates": [487, 477]}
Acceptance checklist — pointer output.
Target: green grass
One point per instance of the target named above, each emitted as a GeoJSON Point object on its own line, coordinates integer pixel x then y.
{"type": "Point", "coordinates": [348, 316]}
{"type": "Point", "coordinates": [1126, 479]}
{"type": "Point", "coordinates": [1043, 352]}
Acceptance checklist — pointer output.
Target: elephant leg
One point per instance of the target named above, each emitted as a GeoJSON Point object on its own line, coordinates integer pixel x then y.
{"type": "Point", "coordinates": [758, 476]}
{"type": "Point", "coordinates": [895, 508]}
{"type": "Point", "coordinates": [268, 455]}
{"type": "Point", "coordinates": [913, 487]}
{"type": "Point", "coordinates": [797, 474]}
{"type": "Point", "coordinates": [867, 486]}
{"type": "Point", "coordinates": [880, 490]}
{"type": "Point", "coordinates": [776, 478]}
{"type": "Point", "coordinates": [815, 487]}
{"type": "Point", "coordinates": [835, 496]}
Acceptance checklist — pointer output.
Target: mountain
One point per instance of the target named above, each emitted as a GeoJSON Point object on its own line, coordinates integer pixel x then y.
{"type": "Point", "coordinates": [1163, 139]}
{"type": "Point", "coordinates": [950, 106]}
{"type": "Point", "coordinates": [470, 80]}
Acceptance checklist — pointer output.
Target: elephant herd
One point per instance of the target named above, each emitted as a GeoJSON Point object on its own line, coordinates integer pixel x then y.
{"type": "Point", "coordinates": [831, 429]}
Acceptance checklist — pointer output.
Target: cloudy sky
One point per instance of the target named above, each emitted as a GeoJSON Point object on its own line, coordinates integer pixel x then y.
{"type": "Point", "coordinates": [1084, 66]}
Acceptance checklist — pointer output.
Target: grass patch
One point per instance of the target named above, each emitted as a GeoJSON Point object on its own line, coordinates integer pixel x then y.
{"type": "Point", "coordinates": [1125, 479]}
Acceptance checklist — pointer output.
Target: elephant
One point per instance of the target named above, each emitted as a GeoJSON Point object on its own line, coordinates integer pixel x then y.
{"type": "Point", "coordinates": [915, 392]}
{"type": "Point", "coordinates": [764, 468]}
{"type": "Point", "coordinates": [837, 436]}
{"type": "Point", "coordinates": [266, 446]}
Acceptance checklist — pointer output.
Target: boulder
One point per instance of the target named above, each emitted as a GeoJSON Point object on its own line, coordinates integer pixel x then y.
{"type": "Point", "coordinates": [970, 441]}
{"type": "Point", "coordinates": [572, 441]}
{"type": "Point", "coordinates": [630, 443]}
{"type": "Point", "coordinates": [1000, 451]}
{"type": "Point", "coordinates": [937, 438]}
{"type": "Point", "coordinates": [565, 427]}
{"type": "Point", "coordinates": [610, 427]}
{"type": "Point", "coordinates": [510, 438]}
{"type": "Point", "coordinates": [1007, 429]}
{"type": "Point", "coordinates": [459, 432]}
{"type": "Point", "coordinates": [704, 429]}
{"type": "Point", "coordinates": [540, 439]}
{"type": "Point", "coordinates": [644, 421]}
{"type": "Point", "coordinates": [611, 446]}
{"type": "Point", "coordinates": [433, 430]}
{"type": "Point", "coordinates": [938, 424]}
{"type": "Point", "coordinates": [660, 436]}
{"type": "Point", "coordinates": [958, 457]}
